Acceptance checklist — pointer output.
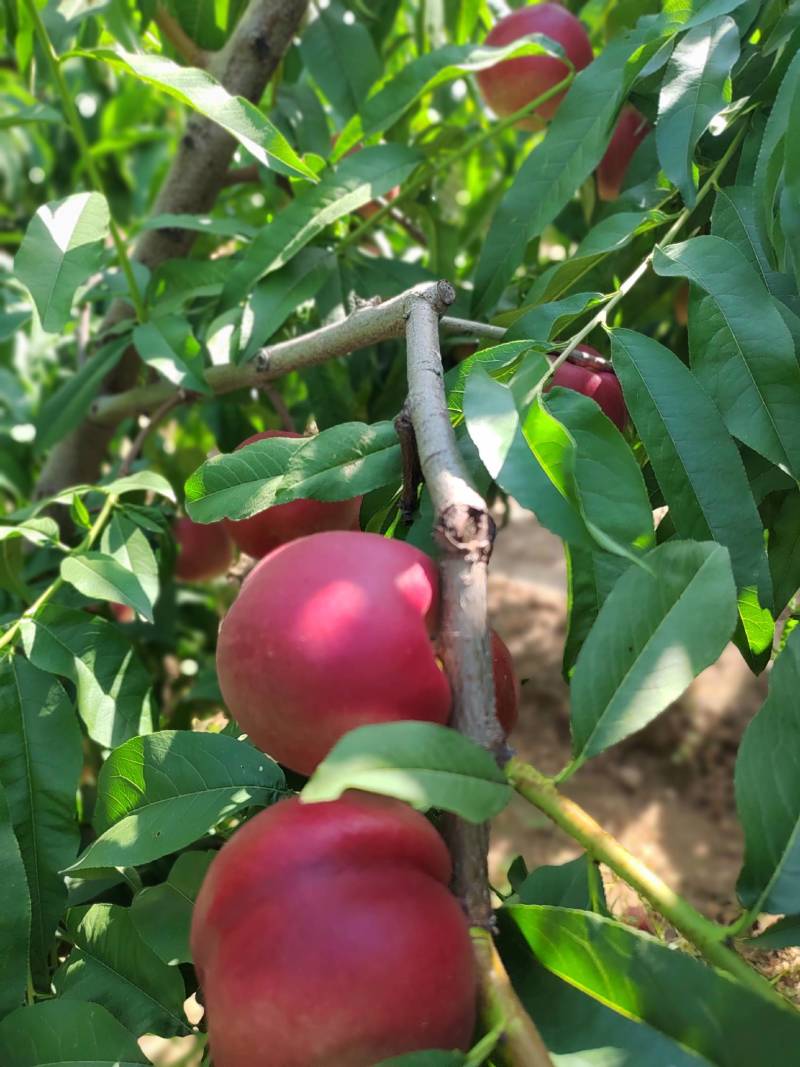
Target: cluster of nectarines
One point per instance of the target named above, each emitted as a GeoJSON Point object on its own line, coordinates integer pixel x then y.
{"type": "Point", "coordinates": [325, 933]}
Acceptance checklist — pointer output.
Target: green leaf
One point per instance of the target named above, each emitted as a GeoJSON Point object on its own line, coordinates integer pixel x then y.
{"type": "Point", "coordinates": [40, 763]}
{"type": "Point", "coordinates": [356, 181]}
{"type": "Point", "coordinates": [575, 143]}
{"type": "Point", "coordinates": [591, 575]}
{"type": "Point", "coordinates": [629, 971]}
{"type": "Point", "coordinates": [112, 966]}
{"type": "Point", "coordinates": [113, 687]}
{"type": "Point", "coordinates": [696, 88]}
{"type": "Point", "coordinates": [40, 531]}
{"type": "Point", "coordinates": [427, 72]}
{"type": "Point", "coordinates": [785, 933]}
{"type": "Point", "coordinates": [220, 227]}
{"type": "Point", "coordinates": [606, 237]}
{"type": "Point", "coordinates": [15, 914]}
{"type": "Point", "coordinates": [544, 322]}
{"type": "Point", "coordinates": [125, 542]}
{"type": "Point", "coordinates": [608, 481]}
{"type": "Point", "coordinates": [159, 793]}
{"type": "Point", "coordinates": [658, 629]}
{"type": "Point", "coordinates": [62, 246]}
{"type": "Point", "coordinates": [499, 361]}
{"type": "Point", "coordinates": [101, 577]}
{"type": "Point", "coordinates": [427, 765]}
{"type": "Point", "coordinates": [783, 550]}
{"type": "Point", "coordinates": [768, 792]}
{"type": "Point", "coordinates": [742, 352]}
{"type": "Point", "coordinates": [341, 58]}
{"type": "Point", "coordinates": [57, 1033]}
{"type": "Point", "coordinates": [168, 346]}
{"type": "Point", "coordinates": [162, 914]}
{"type": "Point", "coordinates": [697, 465]}
{"type": "Point", "coordinates": [200, 91]}
{"type": "Point", "coordinates": [565, 885]}
{"type": "Point", "coordinates": [771, 153]}
{"type": "Point", "coordinates": [734, 219]}
{"type": "Point", "coordinates": [280, 295]}
{"type": "Point", "coordinates": [530, 472]}
{"type": "Point", "coordinates": [65, 409]}
{"type": "Point", "coordinates": [141, 482]}
{"type": "Point", "coordinates": [434, 1058]}
{"type": "Point", "coordinates": [337, 464]}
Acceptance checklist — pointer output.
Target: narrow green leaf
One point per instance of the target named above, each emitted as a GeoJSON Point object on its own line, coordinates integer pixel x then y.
{"type": "Point", "coordinates": [785, 933]}
{"type": "Point", "coordinates": [784, 550]}
{"type": "Point", "coordinates": [575, 143]}
{"type": "Point", "coordinates": [387, 105]}
{"type": "Point", "coordinates": [15, 914]}
{"type": "Point", "coordinates": [658, 629]}
{"type": "Point", "coordinates": [527, 471]}
{"type": "Point", "coordinates": [771, 153]}
{"type": "Point", "coordinates": [162, 914]}
{"type": "Point", "coordinates": [144, 481]}
{"type": "Point", "coordinates": [544, 322]}
{"type": "Point", "coordinates": [697, 465]}
{"type": "Point", "coordinates": [65, 409]}
{"type": "Point", "coordinates": [63, 245]}
{"type": "Point", "coordinates": [338, 464]}
{"type": "Point", "coordinates": [591, 575]}
{"type": "Point", "coordinates": [628, 971]}
{"type": "Point", "coordinates": [608, 480]}
{"type": "Point", "coordinates": [768, 792]}
{"type": "Point", "coordinates": [125, 542]}
{"type": "Point", "coordinates": [101, 577]}
{"type": "Point", "coordinates": [168, 346]}
{"type": "Point", "coordinates": [110, 965]}
{"type": "Point", "coordinates": [696, 88]}
{"type": "Point", "coordinates": [427, 765]}
{"type": "Point", "coordinates": [159, 793]}
{"type": "Point", "coordinates": [341, 58]}
{"type": "Point", "coordinates": [742, 352]}
{"type": "Point", "coordinates": [113, 687]}
{"type": "Point", "coordinates": [358, 179]}
{"type": "Point", "coordinates": [67, 1033]}
{"type": "Point", "coordinates": [40, 763]}
{"type": "Point", "coordinates": [40, 531]}
{"type": "Point", "coordinates": [734, 219]}
{"type": "Point", "coordinates": [200, 91]}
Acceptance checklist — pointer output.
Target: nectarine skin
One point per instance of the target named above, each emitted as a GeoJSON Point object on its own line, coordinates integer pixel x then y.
{"type": "Point", "coordinates": [328, 633]}
{"type": "Point", "coordinates": [506, 684]}
{"type": "Point", "coordinates": [510, 85]}
{"type": "Point", "coordinates": [630, 131]}
{"type": "Point", "coordinates": [600, 384]}
{"type": "Point", "coordinates": [281, 523]}
{"type": "Point", "coordinates": [325, 934]}
{"type": "Point", "coordinates": [204, 550]}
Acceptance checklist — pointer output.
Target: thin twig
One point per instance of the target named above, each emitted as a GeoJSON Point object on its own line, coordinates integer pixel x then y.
{"type": "Point", "coordinates": [274, 396]}
{"type": "Point", "coordinates": [520, 1044]}
{"type": "Point", "coordinates": [707, 936]}
{"type": "Point", "coordinates": [147, 429]}
{"type": "Point", "coordinates": [172, 31]}
{"type": "Point", "coordinates": [366, 325]}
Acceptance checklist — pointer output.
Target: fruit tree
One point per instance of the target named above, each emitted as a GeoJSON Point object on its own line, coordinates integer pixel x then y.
{"type": "Point", "coordinates": [300, 300]}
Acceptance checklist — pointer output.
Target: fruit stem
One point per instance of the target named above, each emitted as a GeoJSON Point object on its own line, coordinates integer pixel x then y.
{"type": "Point", "coordinates": [520, 1043]}
{"type": "Point", "coordinates": [707, 936]}
{"type": "Point", "coordinates": [75, 125]}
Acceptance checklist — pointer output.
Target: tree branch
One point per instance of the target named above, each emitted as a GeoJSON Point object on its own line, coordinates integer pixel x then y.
{"type": "Point", "coordinates": [465, 531]}
{"type": "Point", "coordinates": [172, 31]}
{"type": "Point", "coordinates": [244, 66]}
{"type": "Point", "coordinates": [366, 325]}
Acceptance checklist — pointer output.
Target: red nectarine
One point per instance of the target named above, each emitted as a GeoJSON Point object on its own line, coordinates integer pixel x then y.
{"type": "Point", "coordinates": [324, 934]}
{"type": "Point", "coordinates": [510, 85]}
{"type": "Point", "coordinates": [630, 131]}
{"type": "Point", "coordinates": [280, 523]}
{"type": "Point", "coordinates": [587, 372]}
{"type": "Point", "coordinates": [204, 550]}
